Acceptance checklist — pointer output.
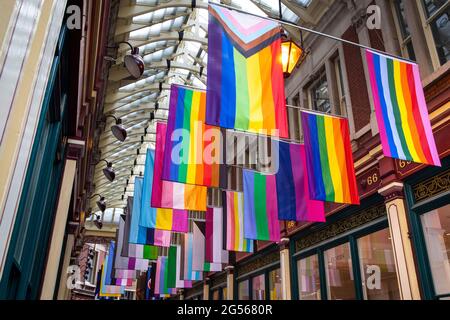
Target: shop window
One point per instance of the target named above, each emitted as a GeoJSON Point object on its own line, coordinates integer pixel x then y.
{"type": "Point", "coordinates": [436, 231]}
{"type": "Point", "coordinates": [309, 278]}
{"type": "Point", "coordinates": [339, 273]}
{"type": "Point", "coordinates": [403, 30]}
{"type": "Point", "coordinates": [345, 260]}
{"type": "Point", "coordinates": [376, 259]}
{"type": "Point", "coordinates": [244, 290]}
{"type": "Point", "coordinates": [259, 288]}
{"type": "Point", "coordinates": [437, 17]}
{"type": "Point", "coordinates": [275, 284]}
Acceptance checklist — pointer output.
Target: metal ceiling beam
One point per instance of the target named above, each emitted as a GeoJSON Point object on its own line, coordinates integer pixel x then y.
{"type": "Point", "coordinates": [114, 97]}
{"type": "Point", "coordinates": [124, 28]}
{"type": "Point", "coordinates": [164, 36]}
{"type": "Point", "coordinates": [127, 12]}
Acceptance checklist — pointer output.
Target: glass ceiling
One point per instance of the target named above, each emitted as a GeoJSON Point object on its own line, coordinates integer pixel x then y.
{"type": "Point", "coordinates": [155, 30]}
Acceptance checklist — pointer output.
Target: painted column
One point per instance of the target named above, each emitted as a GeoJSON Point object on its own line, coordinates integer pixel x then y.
{"type": "Point", "coordinates": [285, 269]}
{"type": "Point", "coordinates": [230, 282]}
{"type": "Point", "coordinates": [206, 289]}
{"type": "Point", "coordinates": [401, 241]}
{"type": "Point", "coordinates": [63, 292]}
{"type": "Point", "coordinates": [32, 34]}
{"type": "Point", "coordinates": [59, 228]}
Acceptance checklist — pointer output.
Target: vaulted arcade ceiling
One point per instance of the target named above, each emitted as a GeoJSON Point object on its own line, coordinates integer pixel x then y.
{"type": "Point", "coordinates": [172, 39]}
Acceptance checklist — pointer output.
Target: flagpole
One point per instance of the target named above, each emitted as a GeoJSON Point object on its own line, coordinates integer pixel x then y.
{"type": "Point", "coordinates": [315, 32]}
{"type": "Point", "coordinates": [316, 111]}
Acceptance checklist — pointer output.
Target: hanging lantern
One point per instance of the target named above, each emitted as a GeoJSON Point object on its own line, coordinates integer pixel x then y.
{"type": "Point", "coordinates": [290, 55]}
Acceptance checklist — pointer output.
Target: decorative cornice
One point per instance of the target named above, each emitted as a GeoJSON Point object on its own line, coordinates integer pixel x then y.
{"type": "Point", "coordinates": [341, 226]}
{"type": "Point", "coordinates": [258, 263]}
{"type": "Point", "coordinates": [432, 186]}
{"type": "Point", "coordinates": [219, 279]}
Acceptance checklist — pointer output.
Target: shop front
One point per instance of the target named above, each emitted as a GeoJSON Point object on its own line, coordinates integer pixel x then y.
{"type": "Point", "coordinates": [218, 289]}
{"type": "Point", "coordinates": [260, 277]}
{"type": "Point", "coordinates": [428, 200]}
{"type": "Point", "coordinates": [350, 257]}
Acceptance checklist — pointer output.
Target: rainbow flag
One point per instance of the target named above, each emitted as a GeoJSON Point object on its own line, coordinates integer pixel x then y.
{"type": "Point", "coordinates": [401, 109]}
{"type": "Point", "coordinates": [329, 158]}
{"type": "Point", "coordinates": [186, 272]}
{"type": "Point", "coordinates": [292, 193]}
{"type": "Point", "coordinates": [245, 74]}
{"type": "Point", "coordinates": [158, 218]}
{"type": "Point", "coordinates": [260, 207]}
{"type": "Point", "coordinates": [168, 194]}
{"type": "Point", "coordinates": [234, 240]}
{"type": "Point", "coordinates": [214, 252]}
{"type": "Point", "coordinates": [193, 150]}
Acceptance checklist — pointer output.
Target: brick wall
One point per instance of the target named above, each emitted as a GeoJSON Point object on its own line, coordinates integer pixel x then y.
{"type": "Point", "coordinates": [356, 80]}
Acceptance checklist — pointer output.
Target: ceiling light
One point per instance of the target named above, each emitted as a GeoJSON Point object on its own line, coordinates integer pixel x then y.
{"type": "Point", "coordinates": [133, 62]}
{"type": "Point", "coordinates": [290, 55]}
{"type": "Point", "coordinates": [108, 171]}
{"type": "Point", "coordinates": [101, 204]}
{"type": "Point", "coordinates": [118, 130]}
{"type": "Point", "coordinates": [98, 222]}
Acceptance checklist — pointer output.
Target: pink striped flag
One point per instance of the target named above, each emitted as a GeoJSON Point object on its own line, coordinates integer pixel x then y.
{"type": "Point", "coordinates": [214, 237]}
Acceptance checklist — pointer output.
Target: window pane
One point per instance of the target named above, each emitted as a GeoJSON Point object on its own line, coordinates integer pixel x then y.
{"type": "Point", "coordinates": [339, 273]}
{"type": "Point", "coordinates": [441, 33]}
{"type": "Point", "coordinates": [400, 11]}
{"type": "Point", "coordinates": [243, 290]}
{"type": "Point", "coordinates": [259, 288]}
{"type": "Point", "coordinates": [378, 274]}
{"type": "Point", "coordinates": [436, 230]}
{"type": "Point", "coordinates": [308, 278]}
{"type": "Point", "coordinates": [431, 6]}
{"type": "Point", "coordinates": [319, 95]}
{"type": "Point", "coordinates": [275, 284]}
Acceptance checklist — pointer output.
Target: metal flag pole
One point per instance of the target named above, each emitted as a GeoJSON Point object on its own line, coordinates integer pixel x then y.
{"type": "Point", "coordinates": [315, 32]}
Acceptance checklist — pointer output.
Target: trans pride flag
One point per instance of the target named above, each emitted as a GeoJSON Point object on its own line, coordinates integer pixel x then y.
{"type": "Point", "coordinates": [245, 78]}
{"type": "Point", "coordinates": [158, 218]}
{"type": "Point", "coordinates": [139, 234]}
